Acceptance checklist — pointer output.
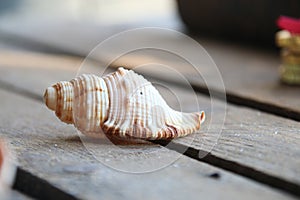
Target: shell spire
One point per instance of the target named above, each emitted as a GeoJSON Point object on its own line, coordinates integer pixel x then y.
{"type": "Point", "coordinates": [121, 104]}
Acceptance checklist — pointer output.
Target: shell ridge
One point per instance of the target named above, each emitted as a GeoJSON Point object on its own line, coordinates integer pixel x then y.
{"type": "Point", "coordinates": [110, 125]}
{"type": "Point", "coordinates": [107, 122]}
{"type": "Point", "coordinates": [137, 90]}
{"type": "Point", "coordinates": [121, 100]}
{"type": "Point", "coordinates": [87, 92]}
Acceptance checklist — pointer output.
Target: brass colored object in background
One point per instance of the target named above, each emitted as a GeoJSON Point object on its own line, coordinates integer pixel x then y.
{"type": "Point", "coordinates": [288, 41]}
{"type": "Point", "coordinates": [290, 56]}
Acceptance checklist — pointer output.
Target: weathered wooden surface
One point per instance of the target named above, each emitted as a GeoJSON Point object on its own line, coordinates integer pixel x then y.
{"type": "Point", "coordinates": [15, 195]}
{"type": "Point", "coordinates": [261, 141]}
{"type": "Point", "coordinates": [243, 138]}
{"type": "Point", "coordinates": [248, 73]}
{"type": "Point", "coordinates": [53, 151]}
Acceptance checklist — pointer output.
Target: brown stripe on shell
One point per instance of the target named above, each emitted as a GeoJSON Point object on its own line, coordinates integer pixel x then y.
{"type": "Point", "coordinates": [64, 93]}
{"type": "Point", "coordinates": [58, 108]}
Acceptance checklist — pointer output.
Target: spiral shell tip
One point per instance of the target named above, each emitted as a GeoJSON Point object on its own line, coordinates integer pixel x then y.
{"type": "Point", "coordinates": [50, 98]}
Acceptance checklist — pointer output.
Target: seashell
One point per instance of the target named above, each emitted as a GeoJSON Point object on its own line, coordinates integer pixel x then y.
{"type": "Point", "coordinates": [122, 104]}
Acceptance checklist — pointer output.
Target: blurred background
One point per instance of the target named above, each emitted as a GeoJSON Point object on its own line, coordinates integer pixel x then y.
{"type": "Point", "coordinates": [56, 22]}
{"type": "Point", "coordinates": [78, 25]}
{"type": "Point", "coordinates": [238, 35]}
{"type": "Point", "coordinates": [235, 33]}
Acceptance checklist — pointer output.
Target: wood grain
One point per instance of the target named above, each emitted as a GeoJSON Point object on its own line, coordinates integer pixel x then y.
{"type": "Point", "coordinates": [53, 151]}
{"type": "Point", "coordinates": [250, 74]}
{"type": "Point", "coordinates": [258, 140]}
{"type": "Point", "coordinates": [251, 143]}
{"type": "Point", "coordinates": [15, 195]}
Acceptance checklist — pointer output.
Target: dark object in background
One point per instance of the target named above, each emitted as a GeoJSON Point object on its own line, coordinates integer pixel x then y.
{"type": "Point", "coordinates": [244, 20]}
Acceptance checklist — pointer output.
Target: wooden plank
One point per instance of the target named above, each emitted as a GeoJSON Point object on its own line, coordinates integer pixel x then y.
{"type": "Point", "coordinates": [254, 144]}
{"type": "Point", "coordinates": [251, 138]}
{"type": "Point", "coordinates": [15, 195]}
{"type": "Point", "coordinates": [250, 74]}
{"type": "Point", "coordinates": [53, 151]}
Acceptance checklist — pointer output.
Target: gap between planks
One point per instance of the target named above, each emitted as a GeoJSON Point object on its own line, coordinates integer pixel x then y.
{"type": "Point", "coordinates": [235, 99]}
{"type": "Point", "coordinates": [196, 177]}
{"type": "Point", "coordinates": [34, 186]}
{"type": "Point", "coordinates": [234, 167]}
{"type": "Point", "coordinates": [231, 97]}
{"type": "Point", "coordinates": [38, 188]}
{"type": "Point", "coordinates": [237, 168]}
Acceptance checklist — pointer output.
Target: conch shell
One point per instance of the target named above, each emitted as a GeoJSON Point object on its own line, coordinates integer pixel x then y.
{"type": "Point", "coordinates": [122, 104]}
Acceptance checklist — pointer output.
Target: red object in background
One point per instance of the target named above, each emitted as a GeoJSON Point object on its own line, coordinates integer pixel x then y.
{"type": "Point", "coordinates": [289, 23]}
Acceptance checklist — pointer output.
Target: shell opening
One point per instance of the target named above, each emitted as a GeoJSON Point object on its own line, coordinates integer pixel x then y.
{"type": "Point", "coordinates": [50, 98]}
